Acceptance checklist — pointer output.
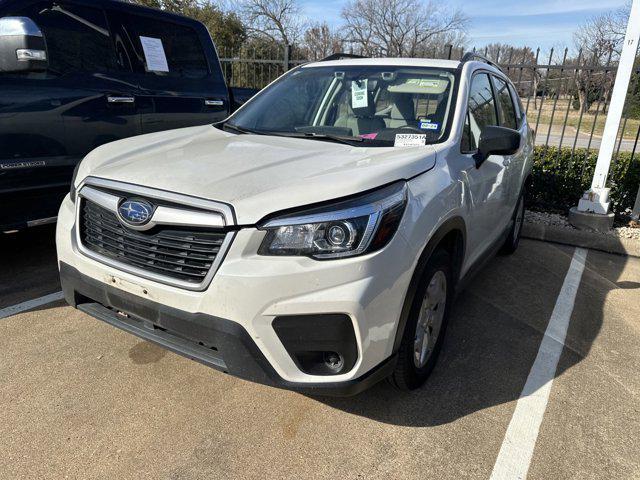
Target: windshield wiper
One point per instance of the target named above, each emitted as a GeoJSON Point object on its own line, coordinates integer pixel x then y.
{"type": "Point", "coordinates": [347, 140]}
{"type": "Point", "coordinates": [235, 128]}
{"type": "Point", "coordinates": [319, 136]}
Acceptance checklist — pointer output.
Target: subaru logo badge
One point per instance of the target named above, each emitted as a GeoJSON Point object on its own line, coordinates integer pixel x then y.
{"type": "Point", "coordinates": [135, 212]}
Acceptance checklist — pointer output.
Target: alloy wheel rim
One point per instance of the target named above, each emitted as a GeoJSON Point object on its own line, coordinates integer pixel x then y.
{"type": "Point", "coordinates": [430, 319]}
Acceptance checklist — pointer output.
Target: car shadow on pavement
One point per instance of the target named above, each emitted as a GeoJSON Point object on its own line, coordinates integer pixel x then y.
{"type": "Point", "coordinates": [494, 334]}
{"type": "Point", "coordinates": [28, 265]}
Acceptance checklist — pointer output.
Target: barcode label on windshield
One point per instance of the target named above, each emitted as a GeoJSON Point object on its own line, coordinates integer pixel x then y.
{"type": "Point", "coordinates": [410, 140]}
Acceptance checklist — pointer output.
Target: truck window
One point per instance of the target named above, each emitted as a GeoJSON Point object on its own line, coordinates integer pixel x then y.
{"type": "Point", "coordinates": [178, 44]}
{"type": "Point", "coordinates": [78, 37]}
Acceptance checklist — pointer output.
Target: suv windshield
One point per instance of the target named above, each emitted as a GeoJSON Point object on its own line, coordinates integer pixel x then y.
{"type": "Point", "coordinates": [364, 106]}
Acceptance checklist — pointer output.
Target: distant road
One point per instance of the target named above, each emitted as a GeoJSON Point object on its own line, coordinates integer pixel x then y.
{"type": "Point", "coordinates": [582, 142]}
{"type": "Point", "coordinates": [570, 137]}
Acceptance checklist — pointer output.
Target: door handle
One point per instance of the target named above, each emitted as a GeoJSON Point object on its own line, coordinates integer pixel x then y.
{"type": "Point", "coordinates": [214, 103]}
{"type": "Point", "coordinates": [118, 99]}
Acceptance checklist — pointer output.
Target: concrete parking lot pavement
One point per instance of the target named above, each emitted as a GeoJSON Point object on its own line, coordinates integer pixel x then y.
{"type": "Point", "coordinates": [81, 399]}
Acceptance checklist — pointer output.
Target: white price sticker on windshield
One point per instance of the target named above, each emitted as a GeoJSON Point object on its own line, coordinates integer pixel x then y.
{"type": "Point", "coordinates": [359, 97]}
{"type": "Point", "coordinates": [154, 54]}
{"type": "Point", "coordinates": [410, 140]}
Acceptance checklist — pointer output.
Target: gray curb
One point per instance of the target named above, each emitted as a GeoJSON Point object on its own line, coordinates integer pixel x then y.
{"type": "Point", "coordinates": [582, 238]}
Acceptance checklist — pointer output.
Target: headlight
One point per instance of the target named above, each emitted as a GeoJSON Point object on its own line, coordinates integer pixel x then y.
{"type": "Point", "coordinates": [344, 229]}
{"type": "Point", "coordinates": [72, 191]}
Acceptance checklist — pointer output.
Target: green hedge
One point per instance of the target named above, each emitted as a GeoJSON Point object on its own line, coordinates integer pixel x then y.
{"type": "Point", "coordinates": [559, 179]}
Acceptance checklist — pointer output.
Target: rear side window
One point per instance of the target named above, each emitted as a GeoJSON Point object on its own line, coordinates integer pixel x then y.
{"type": "Point", "coordinates": [155, 41]}
{"type": "Point", "coordinates": [518, 104]}
{"type": "Point", "coordinates": [505, 104]}
{"type": "Point", "coordinates": [481, 112]}
{"type": "Point", "coordinates": [78, 37]}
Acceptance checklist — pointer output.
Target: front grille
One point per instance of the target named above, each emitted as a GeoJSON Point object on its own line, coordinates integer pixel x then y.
{"type": "Point", "coordinates": [170, 252]}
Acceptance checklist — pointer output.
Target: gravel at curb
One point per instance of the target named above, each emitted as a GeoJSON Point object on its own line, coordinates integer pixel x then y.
{"type": "Point", "coordinates": [557, 220]}
{"type": "Point", "coordinates": [581, 238]}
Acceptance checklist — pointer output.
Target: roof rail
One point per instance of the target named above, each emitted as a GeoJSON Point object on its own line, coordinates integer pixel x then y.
{"type": "Point", "coordinates": [340, 56]}
{"type": "Point", "coordinates": [470, 56]}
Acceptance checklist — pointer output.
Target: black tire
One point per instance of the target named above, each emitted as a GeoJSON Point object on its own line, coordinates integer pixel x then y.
{"type": "Point", "coordinates": [513, 239]}
{"type": "Point", "coordinates": [407, 376]}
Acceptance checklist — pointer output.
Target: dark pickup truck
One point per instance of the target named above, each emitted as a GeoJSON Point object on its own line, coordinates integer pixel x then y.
{"type": "Point", "coordinates": [76, 74]}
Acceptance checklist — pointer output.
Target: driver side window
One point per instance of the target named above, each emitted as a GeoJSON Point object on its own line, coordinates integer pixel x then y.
{"type": "Point", "coordinates": [481, 112]}
{"type": "Point", "coordinates": [77, 36]}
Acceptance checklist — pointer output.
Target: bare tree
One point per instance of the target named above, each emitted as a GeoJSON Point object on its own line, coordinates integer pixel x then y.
{"type": "Point", "coordinates": [602, 34]}
{"type": "Point", "coordinates": [401, 28]}
{"type": "Point", "coordinates": [600, 40]}
{"type": "Point", "coordinates": [320, 41]}
{"type": "Point", "coordinates": [278, 20]}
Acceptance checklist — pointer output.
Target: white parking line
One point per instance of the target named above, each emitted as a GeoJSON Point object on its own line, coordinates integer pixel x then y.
{"type": "Point", "coordinates": [29, 304]}
{"type": "Point", "coordinates": [519, 442]}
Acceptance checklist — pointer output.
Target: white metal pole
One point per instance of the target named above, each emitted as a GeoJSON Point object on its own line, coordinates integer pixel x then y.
{"type": "Point", "coordinates": [635, 213]}
{"type": "Point", "coordinates": [596, 200]}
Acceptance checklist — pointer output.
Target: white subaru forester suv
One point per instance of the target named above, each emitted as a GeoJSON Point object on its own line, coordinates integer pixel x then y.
{"type": "Point", "coordinates": [315, 239]}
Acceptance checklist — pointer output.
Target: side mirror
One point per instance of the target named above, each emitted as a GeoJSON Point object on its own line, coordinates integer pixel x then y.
{"type": "Point", "coordinates": [22, 46]}
{"type": "Point", "coordinates": [497, 141]}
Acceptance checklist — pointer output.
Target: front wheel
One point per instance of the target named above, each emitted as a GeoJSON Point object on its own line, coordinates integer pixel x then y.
{"type": "Point", "coordinates": [513, 239]}
{"type": "Point", "coordinates": [424, 332]}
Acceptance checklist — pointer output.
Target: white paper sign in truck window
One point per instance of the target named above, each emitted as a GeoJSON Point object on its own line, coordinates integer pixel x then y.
{"type": "Point", "coordinates": [154, 54]}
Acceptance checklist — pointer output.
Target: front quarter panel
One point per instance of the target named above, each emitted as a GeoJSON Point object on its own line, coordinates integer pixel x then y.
{"type": "Point", "coordinates": [435, 198]}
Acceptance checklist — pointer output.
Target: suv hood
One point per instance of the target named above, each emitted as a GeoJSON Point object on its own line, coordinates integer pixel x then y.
{"type": "Point", "coordinates": [255, 174]}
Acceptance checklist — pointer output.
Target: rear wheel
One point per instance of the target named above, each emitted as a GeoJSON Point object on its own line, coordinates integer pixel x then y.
{"type": "Point", "coordinates": [424, 332]}
{"type": "Point", "coordinates": [513, 240]}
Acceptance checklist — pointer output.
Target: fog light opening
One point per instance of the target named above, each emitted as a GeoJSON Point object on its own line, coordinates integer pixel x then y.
{"type": "Point", "coordinates": [334, 361]}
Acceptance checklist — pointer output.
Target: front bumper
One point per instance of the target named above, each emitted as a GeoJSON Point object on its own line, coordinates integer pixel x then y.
{"type": "Point", "coordinates": [212, 341]}
{"type": "Point", "coordinates": [249, 292]}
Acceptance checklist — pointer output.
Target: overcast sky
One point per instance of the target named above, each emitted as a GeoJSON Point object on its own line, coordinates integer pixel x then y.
{"type": "Point", "coordinates": [543, 23]}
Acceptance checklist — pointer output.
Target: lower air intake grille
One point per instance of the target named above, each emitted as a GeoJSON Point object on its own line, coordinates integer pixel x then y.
{"type": "Point", "coordinates": [170, 252]}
